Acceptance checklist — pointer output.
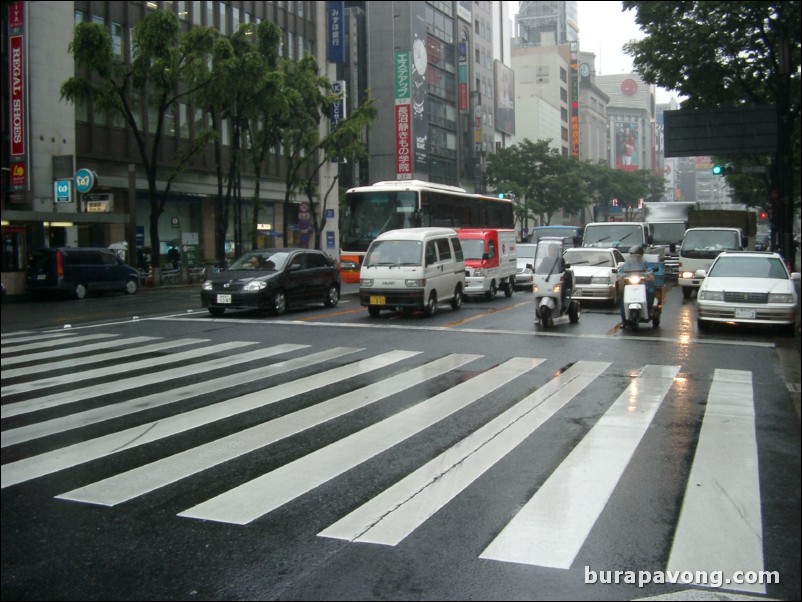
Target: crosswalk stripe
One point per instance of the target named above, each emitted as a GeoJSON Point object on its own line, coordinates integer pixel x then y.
{"type": "Point", "coordinates": [74, 377]}
{"type": "Point", "coordinates": [391, 516]}
{"type": "Point", "coordinates": [552, 527]}
{"type": "Point", "coordinates": [141, 480]}
{"type": "Point", "coordinates": [43, 356]}
{"type": "Point", "coordinates": [60, 363]}
{"type": "Point", "coordinates": [259, 496]}
{"type": "Point", "coordinates": [64, 339]}
{"type": "Point", "coordinates": [147, 402]}
{"type": "Point", "coordinates": [92, 449]}
{"type": "Point", "coordinates": [720, 524]}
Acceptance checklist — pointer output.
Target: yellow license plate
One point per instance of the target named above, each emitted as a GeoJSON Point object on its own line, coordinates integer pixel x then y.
{"type": "Point", "coordinates": [377, 300]}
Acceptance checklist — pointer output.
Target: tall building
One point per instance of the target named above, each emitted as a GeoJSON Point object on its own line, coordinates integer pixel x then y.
{"type": "Point", "coordinates": [547, 23]}
{"type": "Point", "coordinates": [45, 204]}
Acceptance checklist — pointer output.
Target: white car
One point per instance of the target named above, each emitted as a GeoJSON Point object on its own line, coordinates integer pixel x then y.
{"type": "Point", "coordinates": [526, 260]}
{"type": "Point", "coordinates": [595, 272]}
{"type": "Point", "coordinates": [747, 287]}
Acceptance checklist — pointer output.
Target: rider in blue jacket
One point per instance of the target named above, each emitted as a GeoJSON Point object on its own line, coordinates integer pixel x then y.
{"type": "Point", "coordinates": [635, 263]}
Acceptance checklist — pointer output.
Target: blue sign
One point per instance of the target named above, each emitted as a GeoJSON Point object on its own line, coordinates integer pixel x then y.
{"type": "Point", "coordinates": [62, 190]}
{"type": "Point", "coordinates": [335, 12]}
{"type": "Point", "coordinates": [85, 180]}
{"type": "Point", "coordinates": [329, 240]}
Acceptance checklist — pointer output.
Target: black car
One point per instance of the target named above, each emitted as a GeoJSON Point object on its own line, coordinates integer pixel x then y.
{"type": "Point", "coordinates": [273, 279]}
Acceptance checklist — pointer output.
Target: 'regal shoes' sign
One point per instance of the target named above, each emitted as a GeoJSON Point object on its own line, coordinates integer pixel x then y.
{"type": "Point", "coordinates": [17, 100]}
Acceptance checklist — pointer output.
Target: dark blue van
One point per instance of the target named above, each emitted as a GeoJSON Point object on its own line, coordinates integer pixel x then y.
{"type": "Point", "coordinates": [79, 271]}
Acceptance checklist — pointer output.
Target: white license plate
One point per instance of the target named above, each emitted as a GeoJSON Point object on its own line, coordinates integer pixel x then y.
{"type": "Point", "coordinates": [41, 277]}
{"type": "Point", "coordinates": [745, 314]}
{"type": "Point", "coordinates": [224, 299]}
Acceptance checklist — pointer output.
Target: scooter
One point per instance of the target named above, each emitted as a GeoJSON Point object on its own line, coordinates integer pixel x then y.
{"type": "Point", "coordinates": [552, 284]}
{"type": "Point", "coordinates": [636, 306]}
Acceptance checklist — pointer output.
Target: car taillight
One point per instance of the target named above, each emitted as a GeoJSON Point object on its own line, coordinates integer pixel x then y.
{"type": "Point", "coordinates": [59, 265]}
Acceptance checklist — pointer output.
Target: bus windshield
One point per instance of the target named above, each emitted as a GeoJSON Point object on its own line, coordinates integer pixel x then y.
{"type": "Point", "coordinates": [368, 214]}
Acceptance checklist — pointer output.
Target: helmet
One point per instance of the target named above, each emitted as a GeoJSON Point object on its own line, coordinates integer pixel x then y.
{"type": "Point", "coordinates": [636, 250]}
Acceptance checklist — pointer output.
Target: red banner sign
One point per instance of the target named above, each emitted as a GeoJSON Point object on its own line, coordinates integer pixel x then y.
{"type": "Point", "coordinates": [403, 144]}
{"type": "Point", "coordinates": [17, 100]}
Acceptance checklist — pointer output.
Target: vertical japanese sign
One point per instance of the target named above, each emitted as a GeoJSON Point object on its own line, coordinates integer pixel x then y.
{"type": "Point", "coordinates": [335, 16]}
{"type": "Point", "coordinates": [17, 104]}
{"type": "Point", "coordinates": [403, 115]}
{"type": "Point", "coordinates": [574, 100]}
{"type": "Point", "coordinates": [463, 76]}
{"type": "Point", "coordinates": [337, 110]}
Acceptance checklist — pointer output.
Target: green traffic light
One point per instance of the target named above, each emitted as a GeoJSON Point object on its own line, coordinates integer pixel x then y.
{"type": "Point", "coordinates": [718, 170]}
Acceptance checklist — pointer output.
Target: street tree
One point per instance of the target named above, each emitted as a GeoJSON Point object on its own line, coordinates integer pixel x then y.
{"type": "Point", "coordinates": [161, 58]}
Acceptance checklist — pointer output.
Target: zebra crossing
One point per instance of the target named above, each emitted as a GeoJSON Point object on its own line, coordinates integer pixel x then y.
{"type": "Point", "coordinates": [719, 526]}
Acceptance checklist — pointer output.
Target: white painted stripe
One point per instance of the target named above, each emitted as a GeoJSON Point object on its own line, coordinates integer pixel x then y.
{"type": "Point", "coordinates": [75, 377]}
{"type": "Point", "coordinates": [140, 404]}
{"type": "Point", "coordinates": [65, 339]}
{"type": "Point", "coordinates": [261, 495]}
{"type": "Point", "coordinates": [552, 527]}
{"type": "Point", "coordinates": [59, 363]}
{"type": "Point", "coordinates": [720, 526]}
{"type": "Point", "coordinates": [59, 459]}
{"type": "Point", "coordinates": [141, 480]}
{"type": "Point", "coordinates": [391, 516]}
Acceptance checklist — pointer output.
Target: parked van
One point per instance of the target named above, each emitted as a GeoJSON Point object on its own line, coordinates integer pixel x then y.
{"type": "Point", "coordinates": [490, 260]}
{"type": "Point", "coordinates": [79, 271]}
{"type": "Point", "coordinates": [412, 268]}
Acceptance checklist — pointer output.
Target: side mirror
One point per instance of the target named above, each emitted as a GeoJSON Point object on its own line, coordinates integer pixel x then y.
{"type": "Point", "coordinates": [529, 266]}
{"type": "Point", "coordinates": [744, 242]}
{"type": "Point", "coordinates": [672, 247]}
{"type": "Point", "coordinates": [485, 256]}
{"type": "Point", "coordinates": [700, 274]}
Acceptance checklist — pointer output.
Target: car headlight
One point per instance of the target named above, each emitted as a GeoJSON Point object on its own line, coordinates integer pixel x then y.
{"type": "Point", "coordinates": [255, 285]}
{"type": "Point", "coordinates": [781, 298]}
{"type": "Point", "coordinates": [686, 275]}
{"type": "Point", "coordinates": [711, 295]}
{"type": "Point", "coordinates": [366, 282]}
{"type": "Point", "coordinates": [480, 272]}
{"type": "Point", "coordinates": [207, 285]}
{"type": "Point", "coordinates": [415, 283]}
{"type": "Point", "coordinates": [600, 280]}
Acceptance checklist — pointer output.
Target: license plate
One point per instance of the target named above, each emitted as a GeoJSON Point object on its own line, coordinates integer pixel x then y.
{"type": "Point", "coordinates": [378, 300]}
{"type": "Point", "coordinates": [745, 314]}
{"type": "Point", "coordinates": [41, 277]}
{"type": "Point", "coordinates": [578, 292]}
{"type": "Point", "coordinates": [224, 299]}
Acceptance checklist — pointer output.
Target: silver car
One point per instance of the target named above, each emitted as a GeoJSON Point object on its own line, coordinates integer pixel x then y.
{"type": "Point", "coordinates": [747, 287]}
{"type": "Point", "coordinates": [595, 272]}
{"type": "Point", "coordinates": [526, 260]}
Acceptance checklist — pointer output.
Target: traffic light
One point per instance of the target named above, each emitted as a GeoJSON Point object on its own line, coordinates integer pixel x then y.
{"type": "Point", "coordinates": [723, 169]}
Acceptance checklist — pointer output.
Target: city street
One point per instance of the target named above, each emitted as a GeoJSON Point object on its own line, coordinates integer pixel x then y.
{"type": "Point", "coordinates": [151, 451]}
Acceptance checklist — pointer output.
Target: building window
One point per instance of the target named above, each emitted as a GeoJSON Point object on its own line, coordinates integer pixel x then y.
{"type": "Point", "coordinates": [117, 40]}
{"type": "Point", "coordinates": [197, 17]}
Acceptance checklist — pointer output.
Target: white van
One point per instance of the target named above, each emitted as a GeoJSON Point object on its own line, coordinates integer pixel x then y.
{"type": "Point", "coordinates": [413, 268]}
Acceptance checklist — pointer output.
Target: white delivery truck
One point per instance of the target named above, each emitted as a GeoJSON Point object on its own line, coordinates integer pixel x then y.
{"type": "Point", "coordinates": [699, 248]}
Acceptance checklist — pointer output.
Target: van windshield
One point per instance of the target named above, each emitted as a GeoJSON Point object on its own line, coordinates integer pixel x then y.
{"type": "Point", "coordinates": [394, 252]}
{"type": "Point", "coordinates": [473, 248]}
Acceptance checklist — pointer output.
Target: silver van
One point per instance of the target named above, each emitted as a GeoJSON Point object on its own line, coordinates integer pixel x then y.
{"type": "Point", "coordinates": [413, 268]}
{"type": "Point", "coordinates": [79, 271]}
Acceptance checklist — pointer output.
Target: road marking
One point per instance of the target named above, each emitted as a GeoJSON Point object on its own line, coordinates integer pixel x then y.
{"type": "Point", "coordinates": [141, 480]}
{"type": "Point", "coordinates": [720, 524]}
{"type": "Point", "coordinates": [92, 449]}
{"type": "Point", "coordinates": [63, 339]}
{"type": "Point", "coordinates": [396, 512]}
{"type": "Point", "coordinates": [259, 496]}
{"type": "Point", "coordinates": [552, 527]}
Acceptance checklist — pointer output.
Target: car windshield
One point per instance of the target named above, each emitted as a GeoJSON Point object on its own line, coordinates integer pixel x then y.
{"type": "Point", "coordinates": [526, 251]}
{"type": "Point", "coordinates": [394, 252]}
{"type": "Point", "coordinates": [593, 258]}
{"type": "Point", "coordinates": [748, 267]}
{"type": "Point", "coordinates": [263, 261]}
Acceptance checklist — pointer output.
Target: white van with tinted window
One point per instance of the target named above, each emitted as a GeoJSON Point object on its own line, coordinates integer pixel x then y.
{"type": "Point", "coordinates": [413, 268]}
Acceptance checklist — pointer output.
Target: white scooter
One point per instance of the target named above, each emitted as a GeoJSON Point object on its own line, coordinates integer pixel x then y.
{"type": "Point", "coordinates": [552, 284]}
{"type": "Point", "coordinates": [636, 306]}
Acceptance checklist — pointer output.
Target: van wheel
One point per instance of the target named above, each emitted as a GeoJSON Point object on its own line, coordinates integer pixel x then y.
{"type": "Point", "coordinates": [686, 292]}
{"type": "Point", "coordinates": [131, 287]}
{"type": "Point", "coordinates": [373, 311]}
{"type": "Point", "coordinates": [492, 292]}
{"type": "Point", "coordinates": [431, 305]}
{"type": "Point", "coordinates": [81, 290]}
{"type": "Point", "coordinates": [456, 300]}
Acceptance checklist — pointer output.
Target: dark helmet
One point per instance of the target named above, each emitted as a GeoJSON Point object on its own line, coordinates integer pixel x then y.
{"type": "Point", "coordinates": [636, 250]}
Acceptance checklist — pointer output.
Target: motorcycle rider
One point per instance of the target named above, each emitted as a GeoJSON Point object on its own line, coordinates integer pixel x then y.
{"type": "Point", "coordinates": [635, 263]}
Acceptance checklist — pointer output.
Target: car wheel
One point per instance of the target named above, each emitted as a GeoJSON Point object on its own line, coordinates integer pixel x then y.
{"type": "Point", "coordinates": [456, 300]}
{"type": "Point", "coordinates": [217, 311]}
{"type": "Point", "coordinates": [686, 292]}
{"type": "Point", "coordinates": [80, 290]}
{"type": "Point", "coordinates": [510, 287]}
{"type": "Point", "coordinates": [332, 297]}
{"type": "Point", "coordinates": [492, 292]}
{"type": "Point", "coordinates": [131, 287]}
{"type": "Point", "coordinates": [373, 311]}
{"type": "Point", "coordinates": [279, 302]}
{"type": "Point", "coordinates": [431, 305]}
{"type": "Point", "coordinates": [703, 325]}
